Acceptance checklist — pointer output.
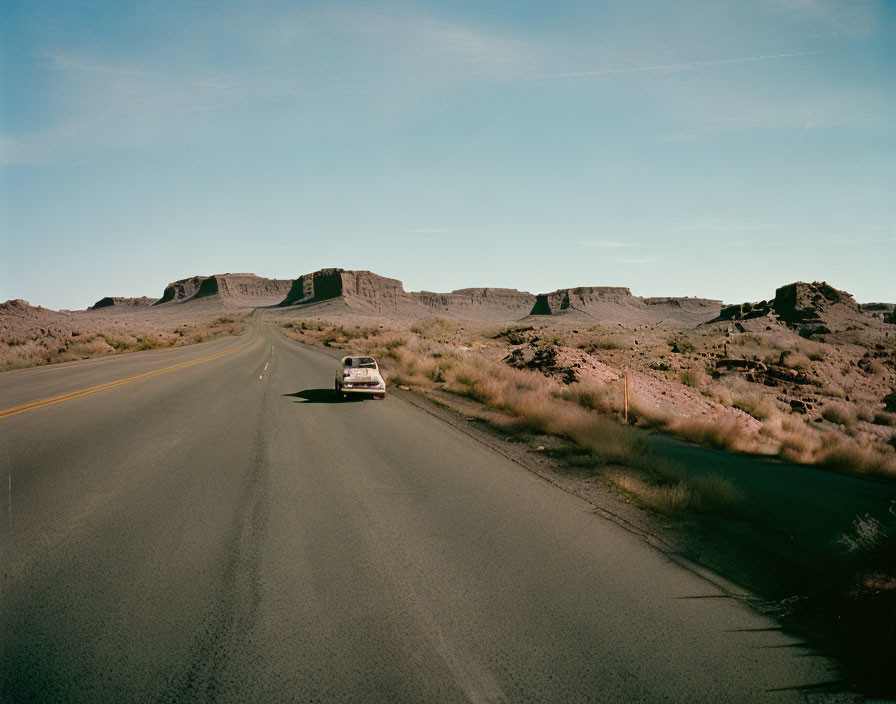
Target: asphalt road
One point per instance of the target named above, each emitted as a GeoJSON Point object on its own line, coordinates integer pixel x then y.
{"type": "Point", "coordinates": [227, 531]}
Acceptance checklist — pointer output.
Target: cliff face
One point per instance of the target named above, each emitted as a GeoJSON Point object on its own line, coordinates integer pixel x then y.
{"type": "Point", "coordinates": [362, 289]}
{"type": "Point", "coordinates": [372, 291]}
{"type": "Point", "coordinates": [181, 290]}
{"type": "Point", "coordinates": [814, 308]}
{"type": "Point", "coordinates": [583, 297]}
{"type": "Point", "coordinates": [122, 302]}
{"type": "Point", "coordinates": [614, 302]}
{"type": "Point", "coordinates": [478, 303]}
{"type": "Point", "coordinates": [236, 289]}
{"type": "Point", "coordinates": [365, 291]}
{"type": "Point", "coordinates": [800, 301]}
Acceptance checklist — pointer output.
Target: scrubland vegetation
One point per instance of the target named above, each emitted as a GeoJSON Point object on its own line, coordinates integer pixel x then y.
{"type": "Point", "coordinates": [86, 338]}
{"type": "Point", "coordinates": [435, 356]}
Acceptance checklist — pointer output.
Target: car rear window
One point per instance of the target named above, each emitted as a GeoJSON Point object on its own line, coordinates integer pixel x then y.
{"type": "Point", "coordinates": [368, 362]}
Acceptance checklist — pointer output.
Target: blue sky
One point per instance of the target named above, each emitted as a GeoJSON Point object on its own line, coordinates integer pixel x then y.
{"type": "Point", "coordinates": [690, 148]}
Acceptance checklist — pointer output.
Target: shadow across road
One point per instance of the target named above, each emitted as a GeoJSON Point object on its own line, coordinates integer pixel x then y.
{"type": "Point", "coordinates": [321, 396]}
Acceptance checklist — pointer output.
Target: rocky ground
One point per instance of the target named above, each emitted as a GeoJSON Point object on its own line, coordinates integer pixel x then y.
{"type": "Point", "coordinates": [33, 336]}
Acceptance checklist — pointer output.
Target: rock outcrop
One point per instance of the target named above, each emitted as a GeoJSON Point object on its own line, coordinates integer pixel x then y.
{"type": "Point", "coordinates": [181, 290]}
{"type": "Point", "coordinates": [478, 303]}
{"type": "Point", "coordinates": [615, 302]}
{"type": "Point", "coordinates": [122, 302]}
{"type": "Point", "coordinates": [812, 308]}
{"type": "Point", "coordinates": [14, 305]}
{"type": "Point", "coordinates": [584, 297]}
{"type": "Point", "coordinates": [241, 290]}
{"type": "Point", "coordinates": [800, 303]}
{"type": "Point", "coordinates": [360, 289]}
{"type": "Point", "coordinates": [19, 321]}
{"type": "Point", "coordinates": [885, 311]}
{"type": "Point", "coordinates": [365, 291]}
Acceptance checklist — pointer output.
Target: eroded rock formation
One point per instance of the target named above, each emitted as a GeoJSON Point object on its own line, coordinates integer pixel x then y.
{"type": "Point", "coordinates": [237, 289]}
{"type": "Point", "coordinates": [122, 302]}
{"type": "Point", "coordinates": [609, 302]}
{"type": "Point", "coordinates": [815, 308]}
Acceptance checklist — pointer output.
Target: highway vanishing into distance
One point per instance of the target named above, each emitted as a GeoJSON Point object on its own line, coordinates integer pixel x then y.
{"type": "Point", "coordinates": [208, 523]}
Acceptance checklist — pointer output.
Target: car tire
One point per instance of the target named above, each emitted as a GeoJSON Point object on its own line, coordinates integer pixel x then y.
{"type": "Point", "coordinates": [338, 390]}
{"type": "Point", "coordinates": [379, 397]}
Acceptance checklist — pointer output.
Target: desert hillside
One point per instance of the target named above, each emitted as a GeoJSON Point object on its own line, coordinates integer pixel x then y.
{"type": "Point", "coordinates": [783, 375]}
{"type": "Point", "coordinates": [366, 292]}
{"type": "Point", "coordinates": [232, 290]}
{"type": "Point", "coordinates": [32, 335]}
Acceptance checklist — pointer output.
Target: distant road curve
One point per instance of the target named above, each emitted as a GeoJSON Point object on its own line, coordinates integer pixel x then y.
{"type": "Point", "coordinates": [228, 531]}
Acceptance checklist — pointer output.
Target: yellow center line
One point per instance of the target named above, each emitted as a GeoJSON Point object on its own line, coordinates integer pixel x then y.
{"type": "Point", "coordinates": [34, 405]}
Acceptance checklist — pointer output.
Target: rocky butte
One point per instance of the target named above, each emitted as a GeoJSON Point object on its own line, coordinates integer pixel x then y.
{"type": "Point", "coordinates": [612, 301]}
{"type": "Point", "coordinates": [239, 290]}
{"type": "Point", "coordinates": [122, 302]}
{"type": "Point", "coordinates": [815, 308]}
{"type": "Point", "coordinates": [364, 291]}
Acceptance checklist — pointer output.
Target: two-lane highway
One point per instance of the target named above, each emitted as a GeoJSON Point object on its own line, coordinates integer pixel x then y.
{"type": "Point", "coordinates": [226, 530]}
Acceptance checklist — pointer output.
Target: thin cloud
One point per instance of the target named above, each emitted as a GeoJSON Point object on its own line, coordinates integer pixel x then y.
{"type": "Point", "coordinates": [714, 225]}
{"type": "Point", "coordinates": [274, 247]}
{"type": "Point", "coordinates": [427, 235]}
{"type": "Point", "coordinates": [72, 62]}
{"type": "Point", "coordinates": [440, 231]}
{"type": "Point", "coordinates": [683, 66]}
{"type": "Point", "coordinates": [225, 80]}
{"type": "Point", "coordinates": [856, 19]}
{"type": "Point", "coordinates": [833, 241]}
{"type": "Point", "coordinates": [607, 244]}
{"type": "Point", "coordinates": [637, 260]}
{"type": "Point", "coordinates": [410, 62]}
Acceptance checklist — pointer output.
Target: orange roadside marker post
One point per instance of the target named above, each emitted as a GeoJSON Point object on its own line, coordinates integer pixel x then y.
{"type": "Point", "coordinates": [625, 377]}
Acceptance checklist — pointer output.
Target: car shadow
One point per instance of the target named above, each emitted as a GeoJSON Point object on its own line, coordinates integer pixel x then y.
{"type": "Point", "coordinates": [321, 396]}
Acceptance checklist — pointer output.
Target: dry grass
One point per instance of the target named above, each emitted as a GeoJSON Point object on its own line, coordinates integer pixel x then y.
{"type": "Point", "coordinates": [754, 403]}
{"type": "Point", "coordinates": [707, 494]}
{"type": "Point", "coordinates": [797, 360]}
{"type": "Point", "coordinates": [596, 396]}
{"type": "Point", "coordinates": [688, 378]}
{"type": "Point", "coordinates": [839, 413]}
{"type": "Point", "coordinates": [847, 456]}
{"type": "Point", "coordinates": [434, 327]}
{"type": "Point", "coordinates": [720, 433]}
{"type": "Point", "coordinates": [805, 444]}
{"type": "Point", "coordinates": [798, 442]}
{"type": "Point", "coordinates": [865, 412]}
{"type": "Point", "coordinates": [605, 344]}
{"type": "Point", "coordinates": [58, 345]}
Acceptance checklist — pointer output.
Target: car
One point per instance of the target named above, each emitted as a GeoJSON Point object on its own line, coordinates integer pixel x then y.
{"type": "Point", "coordinates": [360, 375]}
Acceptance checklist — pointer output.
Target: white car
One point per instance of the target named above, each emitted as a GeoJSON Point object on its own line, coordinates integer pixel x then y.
{"type": "Point", "coordinates": [360, 375]}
